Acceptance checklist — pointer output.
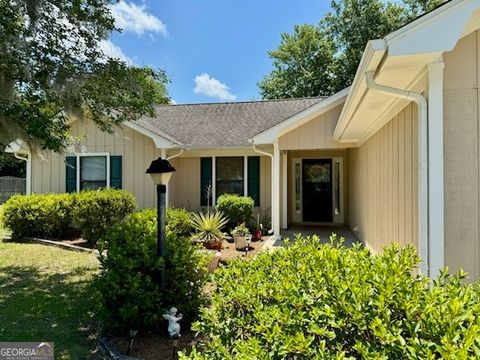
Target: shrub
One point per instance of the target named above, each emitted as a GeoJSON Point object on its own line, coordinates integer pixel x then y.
{"type": "Point", "coordinates": [48, 215]}
{"type": "Point", "coordinates": [97, 210]}
{"type": "Point", "coordinates": [238, 209]}
{"type": "Point", "coordinates": [128, 285]}
{"type": "Point", "coordinates": [179, 221]}
{"type": "Point", "coordinates": [313, 301]}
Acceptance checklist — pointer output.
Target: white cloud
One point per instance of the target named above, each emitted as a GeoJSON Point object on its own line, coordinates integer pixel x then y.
{"type": "Point", "coordinates": [209, 86]}
{"type": "Point", "coordinates": [110, 50]}
{"type": "Point", "coordinates": [135, 18]}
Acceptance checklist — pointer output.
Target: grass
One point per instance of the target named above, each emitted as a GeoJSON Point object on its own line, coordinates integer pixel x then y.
{"type": "Point", "coordinates": [46, 295]}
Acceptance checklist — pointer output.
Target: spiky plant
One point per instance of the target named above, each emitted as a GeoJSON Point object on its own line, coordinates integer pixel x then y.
{"type": "Point", "coordinates": [208, 226]}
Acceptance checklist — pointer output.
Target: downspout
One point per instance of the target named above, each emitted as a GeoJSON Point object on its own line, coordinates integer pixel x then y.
{"type": "Point", "coordinates": [164, 155]}
{"type": "Point", "coordinates": [176, 155]}
{"type": "Point", "coordinates": [257, 150]}
{"type": "Point", "coordinates": [422, 162]}
{"type": "Point", "coordinates": [28, 166]}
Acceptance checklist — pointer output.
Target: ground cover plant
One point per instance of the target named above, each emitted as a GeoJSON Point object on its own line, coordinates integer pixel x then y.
{"type": "Point", "coordinates": [46, 294]}
{"type": "Point", "coordinates": [326, 301]}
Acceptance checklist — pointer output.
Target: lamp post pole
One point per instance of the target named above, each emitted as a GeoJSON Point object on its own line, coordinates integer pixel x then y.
{"type": "Point", "coordinates": [161, 191]}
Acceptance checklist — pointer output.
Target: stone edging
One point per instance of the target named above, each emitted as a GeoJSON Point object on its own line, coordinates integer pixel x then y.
{"type": "Point", "coordinates": [111, 350]}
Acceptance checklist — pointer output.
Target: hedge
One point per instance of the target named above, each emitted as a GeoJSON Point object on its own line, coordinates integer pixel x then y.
{"type": "Point", "coordinates": [237, 209]}
{"type": "Point", "coordinates": [57, 215]}
{"type": "Point", "coordinates": [314, 301]}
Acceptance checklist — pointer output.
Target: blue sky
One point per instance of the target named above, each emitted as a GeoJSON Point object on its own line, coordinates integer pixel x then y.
{"type": "Point", "coordinates": [212, 50]}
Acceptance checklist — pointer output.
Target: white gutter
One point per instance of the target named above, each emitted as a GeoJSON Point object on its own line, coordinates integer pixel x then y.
{"type": "Point", "coordinates": [257, 150]}
{"type": "Point", "coordinates": [176, 155]}
{"type": "Point", "coordinates": [28, 165]}
{"type": "Point", "coordinates": [422, 162]}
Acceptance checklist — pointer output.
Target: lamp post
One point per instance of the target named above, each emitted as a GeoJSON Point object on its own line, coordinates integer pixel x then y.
{"type": "Point", "coordinates": [160, 170]}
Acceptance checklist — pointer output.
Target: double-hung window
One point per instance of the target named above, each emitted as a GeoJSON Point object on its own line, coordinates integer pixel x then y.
{"type": "Point", "coordinates": [229, 175]}
{"type": "Point", "coordinates": [93, 171]}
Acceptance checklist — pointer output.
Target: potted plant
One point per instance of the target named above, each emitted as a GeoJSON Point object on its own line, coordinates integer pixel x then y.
{"type": "Point", "coordinates": [208, 229]}
{"type": "Point", "coordinates": [240, 234]}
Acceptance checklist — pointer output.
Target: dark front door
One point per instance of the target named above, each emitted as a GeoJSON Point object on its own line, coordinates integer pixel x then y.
{"type": "Point", "coordinates": [317, 190]}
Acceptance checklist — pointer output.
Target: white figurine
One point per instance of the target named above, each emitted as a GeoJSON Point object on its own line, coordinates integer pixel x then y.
{"type": "Point", "coordinates": [173, 325]}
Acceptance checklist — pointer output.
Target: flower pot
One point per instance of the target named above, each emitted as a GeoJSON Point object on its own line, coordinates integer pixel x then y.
{"type": "Point", "coordinates": [240, 242]}
{"type": "Point", "coordinates": [213, 245]}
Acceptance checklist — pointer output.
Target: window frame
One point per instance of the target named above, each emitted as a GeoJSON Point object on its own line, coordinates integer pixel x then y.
{"type": "Point", "coordinates": [78, 173]}
{"type": "Point", "coordinates": [244, 171]}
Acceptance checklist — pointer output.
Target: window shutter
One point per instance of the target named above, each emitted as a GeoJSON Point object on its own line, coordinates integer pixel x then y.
{"type": "Point", "coordinates": [253, 185]}
{"type": "Point", "coordinates": [71, 174]}
{"type": "Point", "coordinates": [205, 180]}
{"type": "Point", "coordinates": [116, 172]}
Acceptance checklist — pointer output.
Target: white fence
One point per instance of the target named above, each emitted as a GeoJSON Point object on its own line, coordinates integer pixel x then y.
{"type": "Point", "coordinates": [9, 186]}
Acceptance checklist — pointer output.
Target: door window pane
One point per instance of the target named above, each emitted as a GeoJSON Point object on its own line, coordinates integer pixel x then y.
{"type": "Point", "coordinates": [229, 175]}
{"type": "Point", "coordinates": [93, 172]}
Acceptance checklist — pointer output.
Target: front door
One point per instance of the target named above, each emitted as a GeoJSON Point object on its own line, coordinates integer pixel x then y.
{"type": "Point", "coordinates": [317, 190]}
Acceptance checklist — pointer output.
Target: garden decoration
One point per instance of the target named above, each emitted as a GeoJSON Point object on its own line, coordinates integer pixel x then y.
{"type": "Point", "coordinates": [173, 325]}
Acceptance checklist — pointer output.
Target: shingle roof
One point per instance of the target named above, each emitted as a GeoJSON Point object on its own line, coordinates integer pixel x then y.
{"type": "Point", "coordinates": [221, 124]}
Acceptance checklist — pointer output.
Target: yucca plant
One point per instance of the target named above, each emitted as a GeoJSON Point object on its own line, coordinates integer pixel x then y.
{"type": "Point", "coordinates": [208, 226]}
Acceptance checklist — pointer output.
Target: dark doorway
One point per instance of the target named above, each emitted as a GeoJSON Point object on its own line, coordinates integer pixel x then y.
{"type": "Point", "coordinates": [317, 190]}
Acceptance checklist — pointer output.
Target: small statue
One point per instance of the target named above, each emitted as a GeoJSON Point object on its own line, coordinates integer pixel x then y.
{"type": "Point", "coordinates": [173, 325]}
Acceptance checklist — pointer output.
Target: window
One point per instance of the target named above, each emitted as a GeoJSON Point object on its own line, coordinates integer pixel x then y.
{"type": "Point", "coordinates": [93, 171]}
{"type": "Point", "coordinates": [230, 175]}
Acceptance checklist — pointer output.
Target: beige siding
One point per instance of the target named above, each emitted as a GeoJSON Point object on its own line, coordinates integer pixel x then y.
{"type": "Point", "coordinates": [137, 151]}
{"type": "Point", "coordinates": [461, 154]}
{"type": "Point", "coordinates": [185, 184]}
{"type": "Point", "coordinates": [315, 134]}
{"type": "Point", "coordinates": [382, 184]}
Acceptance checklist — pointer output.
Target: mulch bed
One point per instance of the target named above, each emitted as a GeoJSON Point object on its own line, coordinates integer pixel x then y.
{"type": "Point", "coordinates": [229, 252]}
{"type": "Point", "coordinates": [154, 347]}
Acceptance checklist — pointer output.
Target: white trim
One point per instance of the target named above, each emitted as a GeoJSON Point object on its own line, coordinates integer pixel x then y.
{"type": "Point", "coordinates": [268, 136]}
{"type": "Point", "coordinates": [245, 176]}
{"type": "Point", "coordinates": [28, 170]}
{"type": "Point", "coordinates": [159, 141]}
{"type": "Point", "coordinates": [284, 205]}
{"type": "Point", "coordinates": [435, 168]}
{"type": "Point", "coordinates": [80, 155]}
{"type": "Point", "coordinates": [214, 181]}
{"type": "Point", "coordinates": [276, 190]}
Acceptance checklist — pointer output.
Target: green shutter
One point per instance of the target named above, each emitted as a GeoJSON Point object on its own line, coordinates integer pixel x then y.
{"type": "Point", "coordinates": [71, 174]}
{"type": "Point", "coordinates": [253, 184]}
{"type": "Point", "coordinates": [205, 179]}
{"type": "Point", "coordinates": [116, 172]}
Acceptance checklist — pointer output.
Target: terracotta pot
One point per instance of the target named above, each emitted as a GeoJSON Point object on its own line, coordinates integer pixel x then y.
{"type": "Point", "coordinates": [213, 245]}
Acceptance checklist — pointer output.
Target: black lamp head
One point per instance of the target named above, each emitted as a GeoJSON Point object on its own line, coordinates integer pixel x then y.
{"type": "Point", "coordinates": [160, 166]}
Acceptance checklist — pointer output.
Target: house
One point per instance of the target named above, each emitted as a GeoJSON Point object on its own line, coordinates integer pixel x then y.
{"type": "Point", "coordinates": [395, 157]}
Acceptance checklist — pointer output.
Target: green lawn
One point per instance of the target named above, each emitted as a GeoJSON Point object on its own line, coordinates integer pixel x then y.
{"type": "Point", "coordinates": [46, 295]}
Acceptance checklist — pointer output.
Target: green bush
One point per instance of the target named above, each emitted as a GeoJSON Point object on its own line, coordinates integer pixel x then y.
{"type": "Point", "coordinates": [179, 221]}
{"type": "Point", "coordinates": [314, 301]}
{"type": "Point", "coordinates": [47, 215]}
{"type": "Point", "coordinates": [128, 285]}
{"type": "Point", "coordinates": [237, 209]}
{"type": "Point", "coordinates": [95, 211]}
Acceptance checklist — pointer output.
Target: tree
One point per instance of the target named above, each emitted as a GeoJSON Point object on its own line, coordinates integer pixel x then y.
{"type": "Point", "coordinates": [303, 65]}
{"type": "Point", "coordinates": [52, 71]}
{"type": "Point", "coordinates": [322, 59]}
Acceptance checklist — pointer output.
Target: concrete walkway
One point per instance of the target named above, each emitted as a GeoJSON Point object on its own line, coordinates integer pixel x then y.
{"type": "Point", "coordinates": [322, 232]}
